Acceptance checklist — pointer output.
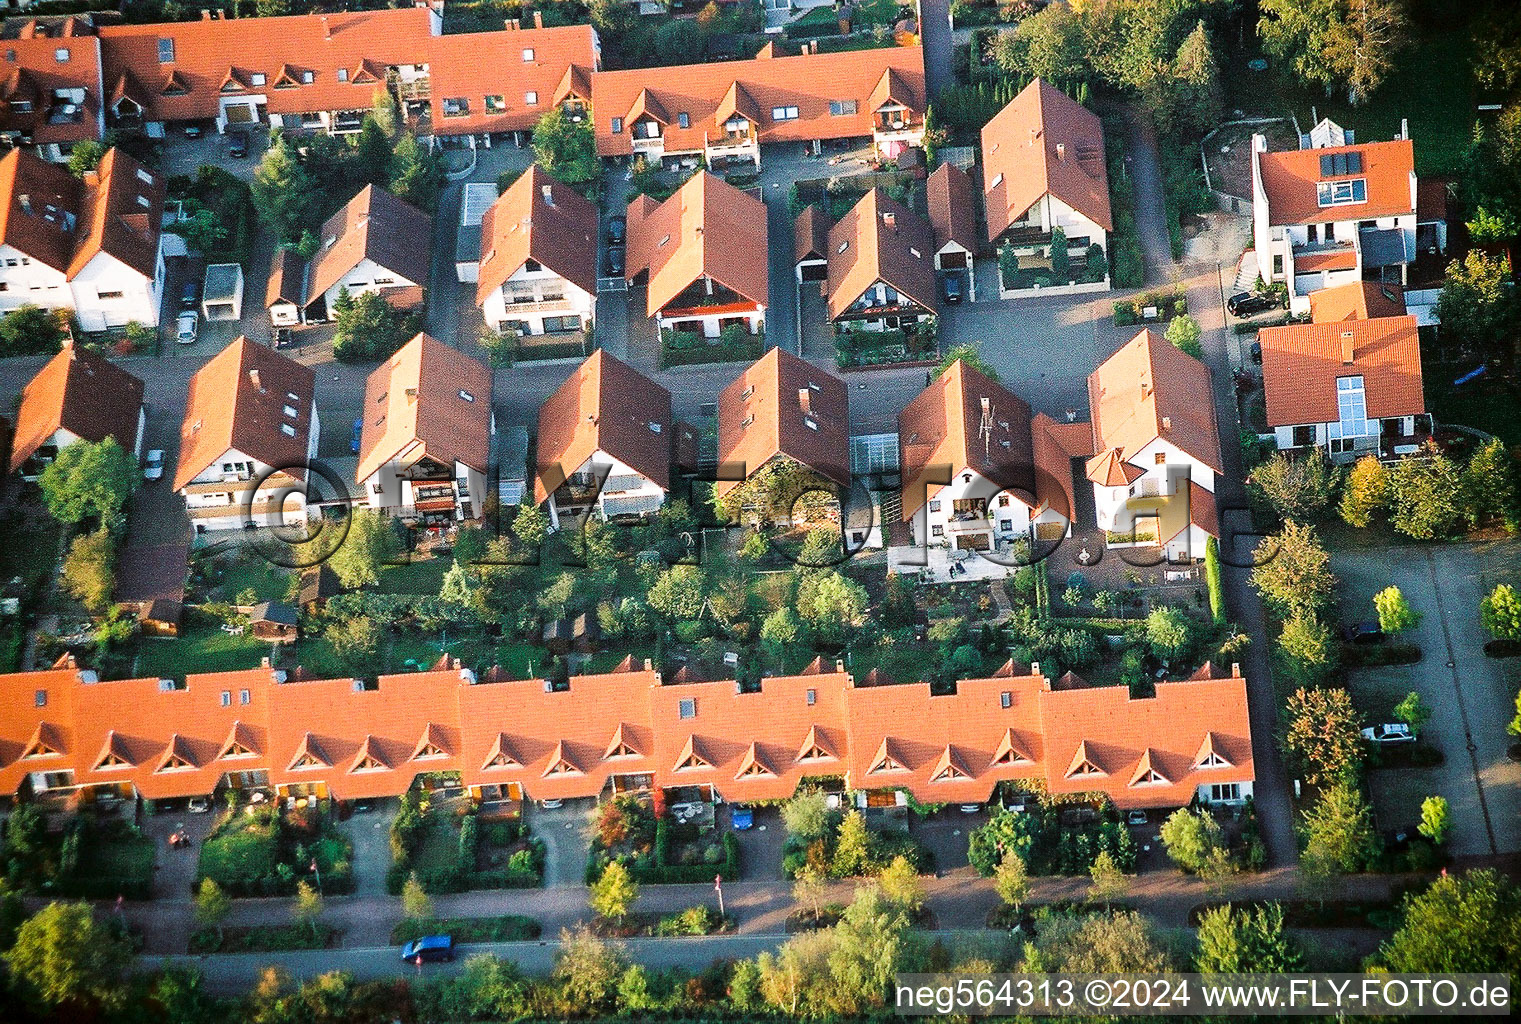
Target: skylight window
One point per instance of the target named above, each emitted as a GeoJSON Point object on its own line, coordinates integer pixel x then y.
{"type": "Point", "coordinates": [144, 177]}
{"type": "Point", "coordinates": [467, 396]}
{"type": "Point", "coordinates": [307, 78]}
{"type": "Point", "coordinates": [527, 54]}
{"type": "Point", "coordinates": [61, 55]}
{"type": "Point", "coordinates": [531, 98]}
{"type": "Point", "coordinates": [343, 74]}
{"type": "Point", "coordinates": [687, 707]}
{"type": "Point", "coordinates": [165, 51]}
{"type": "Point", "coordinates": [257, 78]}
{"type": "Point", "coordinates": [784, 113]}
{"type": "Point", "coordinates": [290, 410]}
{"type": "Point", "coordinates": [1342, 193]}
{"type": "Point", "coordinates": [287, 430]}
{"type": "Point", "coordinates": [683, 120]}
{"type": "Point", "coordinates": [1334, 165]}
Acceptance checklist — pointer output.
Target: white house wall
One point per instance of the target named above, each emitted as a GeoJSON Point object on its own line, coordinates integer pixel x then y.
{"type": "Point", "coordinates": [362, 278]}
{"type": "Point", "coordinates": [28, 281]}
{"type": "Point", "coordinates": [98, 308]}
{"type": "Point", "coordinates": [542, 284]}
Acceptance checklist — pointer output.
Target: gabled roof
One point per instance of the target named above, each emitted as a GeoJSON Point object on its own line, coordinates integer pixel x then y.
{"type": "Point", "coordinates": [1147, 772]}
{"type": "Point", "coordinates": [691, 757]}
{"type": "Point", "coordinates": [500, 754]}
{"type": "Point", "coordinates": [240, 742]}
{"type": "Point", "coordinates": [965, 420]}
{"type": "Point", "coordinates": [1290, 181]}
{"type": "Point", "coordinates": [1043, 142]}
{"type": "Point", "coordinates": [1301, 364]}
{"type": "Point", "coordinates": [369, 757]}
{"type": "Point", "coordinates": [606, 406]}
{"type": "Point", "coordinates": [1083, 765]}
{"type": "Point", "coordinates": [1109, 469]}
{"type": "Point", "coordinates": [33, 72]}
{"type": "Point", "coordinates": [432, 743]}
{"type": "Point", "coordinates": [754, 764]}
{"type": "Point", "coordinates": [373, 225]}
{"type": "Point", "coordinates": [887, 758]}
{"type": "Point", "coordinates": [708, 228]}
{"type": "Point", "coordinates": [237, 402]}
{"type": "Point", "coordinates": [1209, 755]}
{"type": "Point", "coordinates": [82, 393]}
{"type": "Point", "coordinates": [308, 755]}
{"type": "Point", "coordinates": [1357, 300]}
{"type": "Point", "coordinates": [176, 756]}
{"type": "Point", "coordinates": [40, 203]}
{"type": "Point", "coordinates": [287, 278]}
{"type": "Point", "coordinates": [880, 239]}
{"type": "Point", "coordinates": [561, 763]}
{"type": "Point", "coordinates": [810, 234]}
{"type": "Point", "coordinates": [574, 83]}
{"type": "Point", "coordinates": [952, 208]}
{"type": "Point", "coordinates": [621, 745]}
{"type": "Point", "coordinates": [1010, 751]}
{"type": "Point", "coordinates": [781, 406]}
{"type": "Point", "coordinates": [810, 83]}
{"type": "Point", "coordinates": [428, 401]}
{"type": "Point", "coordinates": [114, 753]}
{"type": "Point", "coordinates": [950, 767]}
{"type": "Point", "coordinates": [813, 747]}
{"type": "Point", "coordinates": [1150, 389]}
{"type": "Point", "coordinates": [538, 218]}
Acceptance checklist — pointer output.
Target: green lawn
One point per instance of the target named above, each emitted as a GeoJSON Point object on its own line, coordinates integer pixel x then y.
{"type": "Point", "coordinates": [268, 582]}
{"type": "Point", "coordinates": [424, 576]}
{"type": "Point", "coordinates": [198, 649]}
{"type": "Point", "coordinates": [1432, 85]}
{"type": "Point", "coordinates": [1486, 404]}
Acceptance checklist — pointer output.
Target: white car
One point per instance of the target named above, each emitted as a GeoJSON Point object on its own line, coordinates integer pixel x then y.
{"type": "Point", "coordinates": [154, 467]}
{"type": "Point", "coordinates": [1389, 732]}
{"type": "Point", "coordinates": [185, 327]}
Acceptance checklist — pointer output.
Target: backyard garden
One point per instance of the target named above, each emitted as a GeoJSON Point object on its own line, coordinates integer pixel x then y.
{"type": "Point", "coordinates": [93, 856]}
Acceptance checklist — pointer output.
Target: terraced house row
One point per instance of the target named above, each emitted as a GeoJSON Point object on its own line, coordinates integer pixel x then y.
{"type": "Point", "coordinates": [69, 79]}
{"type": "Point", "coordinates": [64, 732]}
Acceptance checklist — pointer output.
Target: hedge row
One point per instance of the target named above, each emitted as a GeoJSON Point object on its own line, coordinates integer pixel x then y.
{"type": "Point", "coordinates": [663, 872]}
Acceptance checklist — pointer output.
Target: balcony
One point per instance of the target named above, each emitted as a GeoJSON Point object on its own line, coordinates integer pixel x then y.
{"type": "Point", "coordinates": [518, 304]}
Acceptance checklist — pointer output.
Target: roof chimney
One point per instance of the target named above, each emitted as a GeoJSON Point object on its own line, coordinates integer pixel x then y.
{"type": "Point", "coordinates": [1166, 422]}
{"type": "Point", "coordinates": [1061, 151]}
{"type": "Point", "coordinates": [548, 193]}
{"type": "Point", "coordinates": [890, 219]}
{"type": "Point", "coordinates": [1348, 348]}
{"type": "Point", "coordinates": [805, 400]}
{"type": "Point", "coordinates": [538, 19]}
{"type": "Point", "coordinates": [253, 378]}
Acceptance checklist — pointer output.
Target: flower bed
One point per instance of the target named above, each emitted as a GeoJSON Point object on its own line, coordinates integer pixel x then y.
{"type": "Point", "coordinates": [686, 348]}
{"type": "Point", "coordinates": [1053, 839]}
{"type": "Point", "coordinates": [449, 852]}
{"type": "Point", "coordinates": [658, 851]}
{"type": "Point", "coordinates": [256, 851]}
{"type": "Point", "coordinates": [1168, 304]}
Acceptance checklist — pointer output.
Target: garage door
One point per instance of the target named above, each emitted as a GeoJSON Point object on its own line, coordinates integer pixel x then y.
{"type": "Point", "coordinates": [952, 261]}
{"type": "Point", "coordinates": [220, 311]}
{"type": "Point", "coordinates": [815, 271]}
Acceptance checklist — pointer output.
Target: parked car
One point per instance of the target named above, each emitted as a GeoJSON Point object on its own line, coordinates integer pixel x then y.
{"type": "Point", "coordinates": [190, 294]}
{"type": "Point", "coordinates": [970, 808]}
{"type": "Point", "coordinates": [193, 131]}
{"type": "Point", "coordinates": [429, 948]}
{"type": "Point", "coordinates": [1389, 732]}
{"type": "Point", "coordinates": [617, 230]}
{"type": "Point", "coordinates": [1137, 818]}
{"type": "Point", "coordinates": [742, 819]}
{"type": "Point", "coordinates": [239, 147]}
{"type": "Point", "coordinates": [950, 289]}
{"type": "Point", "coordinates": [198, 804]}
{"type": "Point", "coordinates": [1247, 303]}
{"type": "Point", "coordinates": [281, 338]}
{"type": "Point", "coordinates": [551, 805]}
{"type": "Point", "coordinates": [1257, 353]}
{"type": "Point", "coordinates": [354, 438]}
{"type": "Point", "coordinates": [615, 261]}
{"type": "Point", "coordinates": [1365, 633]}
{"type": "Point", "coordinates": [187, 327]}
{"type": "Point", "coordinates": [154, 467]}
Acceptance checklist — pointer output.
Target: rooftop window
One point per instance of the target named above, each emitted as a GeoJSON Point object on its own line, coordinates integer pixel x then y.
{"type": "Point", "coordinates": [842, 108]}
{"type": "Point", "coordinates": [61, 55]}
{"type": "Point", "coordinates": [165, 51]}
{"type": "Point", "coordinates": [495, 104]}
{"type": "Point", "coordinates": [784, 113]}
{"type": "Point", "coordinates": [1335, 165]}
{"type": "Point", "coordinates": [456, 106]}
{"type": "Point", "coordinates": [1341, 193]}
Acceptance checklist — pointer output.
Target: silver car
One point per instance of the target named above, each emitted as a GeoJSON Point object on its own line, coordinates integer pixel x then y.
{"type": "Point", "coordinates": [186, 327]}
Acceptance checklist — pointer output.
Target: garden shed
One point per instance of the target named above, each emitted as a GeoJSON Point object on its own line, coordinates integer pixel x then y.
{"type": "Point", "coordinates": [222, 292]}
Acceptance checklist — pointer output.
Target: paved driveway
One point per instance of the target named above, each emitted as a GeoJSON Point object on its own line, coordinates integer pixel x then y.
{"type": "Point", "coordinates": [564, 831]}
{"type": "Point", "coordinates": [1471, 696]}
{"type": "Point", "coordinates": [370, 832]}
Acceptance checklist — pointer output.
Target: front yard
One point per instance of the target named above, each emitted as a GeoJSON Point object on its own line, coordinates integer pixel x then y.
{"type": "Point", "coordinates": [449, 848]}
{"type": "Point", "coordinates": [658, 850]}
{"type": "Point", "coordinates": [255, 850]}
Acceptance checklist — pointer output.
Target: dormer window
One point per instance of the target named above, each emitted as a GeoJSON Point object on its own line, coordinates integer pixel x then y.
{"type": "Point", "coordinates": [456, 106]}
{"type": "Point", "coordinates": [1342, 193]}
{"type": "Point", "coordinates": [495, 105]}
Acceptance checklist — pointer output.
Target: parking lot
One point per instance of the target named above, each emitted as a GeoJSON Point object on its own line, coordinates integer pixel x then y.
{"type": "Point", "coordinates": [1471, 696]}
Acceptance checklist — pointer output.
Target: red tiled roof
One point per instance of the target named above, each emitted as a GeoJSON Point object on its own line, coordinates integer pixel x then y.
{"type": "Point", "coordinates": [1043, 142]}
{"type": "Point", "coordinates": [377, 226]}
{"type": "Point", "coordinates": [708, 228]}
{"type": "Point", "coordinates": [1150, 389]}
{"type": "Point", "coordinates": [1301, 364]}
{"type": "Point", "coordinates": [508, 66]}
{"type": "Point", "coordinates": [82, 393]}
{"type": "Point", "coordinates": [1358, 300]}
{"type": "Point", "coordinates": [810, 83]}
{"type": "Point", "coordinates": [1290, 180]}
{"type": "Point", "coordinates": [605, 406]}
{"type": "Point", "coordinates": [237, 402]}
{"type": "Point", "coordinates": [762, 416]}
{"type": "Point", "coordinates": [952, 209]}
{"type": "Point", "coordinates": [880, 239]}
{"type": "Point", "coordinates": [415, 408]}
{"type": "Point", "coordinates": [1343, 257]}
{"type": "Point", "coordinates": [541, 219]}
{"type": "Point", "coordinates": [32, 75]}
{"type": "Point", "coordinates": [810, 235]}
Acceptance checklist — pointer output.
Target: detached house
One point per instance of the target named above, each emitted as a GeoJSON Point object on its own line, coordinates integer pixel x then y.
{"type": "Point", "coordinates": [425, 447]}
{"type": "Point", "coordinates": [881, 267]}
{"type": "Point", "coordinates": [1157, 448]}
{"type": "Point", "coordinates": [1349, 382]}
{"type": "Point", "coordinates": [376, 243]}
{"type": "Point", "coordinates": [51, 93]}
{"type": "Point", "coordinates": [538, 268]}
{"type": "Point", "coordinates": [77, 396]}
{"type": "Point", "coordinates": [784, 411]}
{"type": "Point", "coordinates": [702, 255]}
{"type": "Point", "coordinates": [971, 479]}
{"type": "Point", "coordinates": [1333, 212]}
{"type": "Point", "coordinates": [721, 113]}
{"type": "Point", "coordinates": [249, 434]}
{"type": "Point", "coordinates": [607, 442]}
{"type": "Point", "coordinates": [1043, 168]}
{"type": "Point", "coordinates": [91, 246]}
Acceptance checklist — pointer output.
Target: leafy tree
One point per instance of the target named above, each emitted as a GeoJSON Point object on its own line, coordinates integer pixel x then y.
{"type": "Point", "coordinates": [308, 905]}
{"type": "Point", "coordinates": [808, 888]}
{"type": "Point", "coordinates": [588, 970]}
{"type": "Point", "coordinates": [567, 149]}
{"type": "Point", "coordinates": [1476, 304]}
{"type": "Point", "coordinates": [530, 525]}
{"type": "Point", "coordinates": [1060, 259]}
{"type": "Point", "coordinates": [1246, 941]}
{"type": "Point", "coordinates": [1293, 573]}
{"type": "Point", "coordinates": [1168, 631]}
{"type": "Point", "coordinates": [678, 593]}
{"type": "Point", "coordinates": [370, 163]}
{"type": "Point", "coordinates": [872, 943]}
{"type": "Point", "coordinates": [367, 327]}
{"type": "Point", "coordinates": [212, 905]}
{"type": "Point", "coordinates": [1427, 495]}
{"type": "Point", "coordinates": [1307, 650]}
{"type": "Point", "coordinates": [1412, 710]}
{"type": "Point", "coordinates": [384, 113]}
{"type": "Point", "coordinates": [64, 956]}
{"type": "Point", "coordinates": [416, 904]}
{"type": "Point", "coordinates": [202, 230]}
{"type": "Point", "coordinates": [1004, 835]}
{"type": "Point", "coordinates": [1338, 832]}
{"type": "Point", "coordinates": [1301, 489]}
{"type": "Point", "coordinates": [1335, 43]}
{"type": "Point", "coordinates": [1463, 923]}
{"type": "Point", "coordinates": [968, 353]}
{"type": "Point", "coordinates": [89, 569]}
{"type": "Point", "coordinates": [356, 641]}
{"type": "Point", "coordinates": [1323, 735]}
{"type": "Point", "coordinates": [1500, 613]}
{"type": "Point", "coordinates": [1184, 334]}
{"type": "Point", "coordinates": [1436, 819]}
{"type": "Point", "coordinates": [1012, 881]}
{"type": "Point", "coordinates": [286, 198]}
{"type": "Point", "coordinates": [796, 980]}
{"type": "Point", "coordinates": [806, 815]}
{"type": "Point", "coordinates": [1489, 487]}
{"type": "Point", "coordinates": [416, 173]}
{"type": "Point", "coordinates": [852, 849]}
{"type": "Point", "coordinates": [90, 480]}
{"type": "Point", "coordinates": [1190, 836]}
{"type": "Point", "coordinates": [1049, 45]}
{"type": "Point", "coordinates": [835, 604]}
{"type": "Point", "coordinates": [613, 895]}
{"type": "Point", "coordinates": [1514, 728]}
{"type": "Point", "coordinates": [272, 8]}
{"type": "Point", "coordinates": [1197, 94]}
{"type": "Point", "coordinates": [1108, 882]}
{"type": "Point", "coordinates": [900, 885]}
{"type": "Point", "coordinates": [370, 543]}
{"type": "Point", "coordinates": [85, 157]}
{"type": "Point", "coordinates": [1395, 616]}
{"type": "Point", "coordinates": [30, 330]}
{"type": "Point", "coordinates": [1115, 942]}
{"type": "Point", "coordinates": [782, 629]}
{"type": "Point", "coordinates": [677, 40]}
